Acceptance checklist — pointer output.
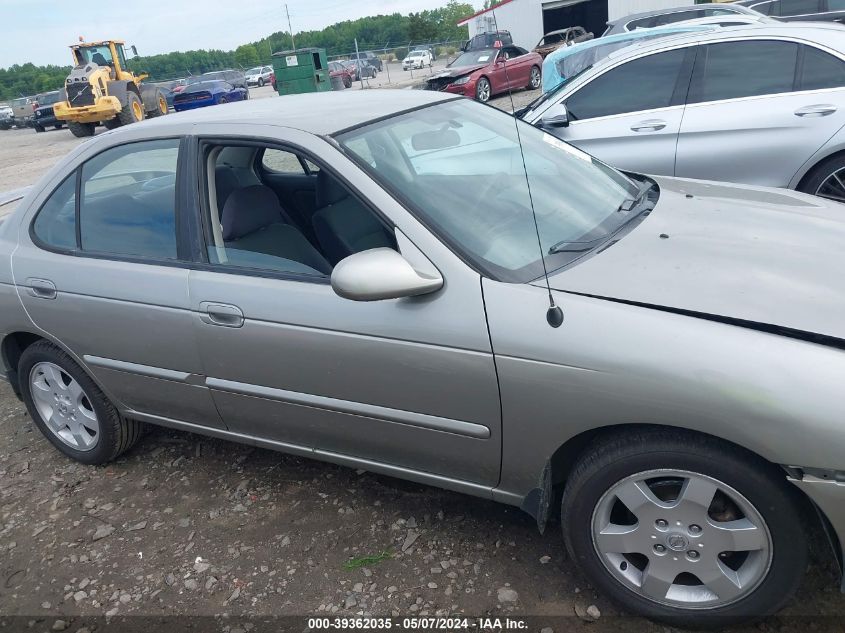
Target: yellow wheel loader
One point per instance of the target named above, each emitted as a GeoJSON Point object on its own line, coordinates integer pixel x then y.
{"type": "Point", "coordinates": [101, 89]}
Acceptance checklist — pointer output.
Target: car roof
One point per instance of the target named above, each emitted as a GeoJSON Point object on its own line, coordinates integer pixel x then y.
{"type": "Point", "coordinates": [321, 113]}
{"type": "Point", "coordinates": [730, 6]}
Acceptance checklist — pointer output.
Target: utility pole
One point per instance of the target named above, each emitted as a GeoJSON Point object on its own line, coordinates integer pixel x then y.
{"type": "Point", "coordinates": [358, 62]}
{"type": "Point", "coordinates": [290, 28]}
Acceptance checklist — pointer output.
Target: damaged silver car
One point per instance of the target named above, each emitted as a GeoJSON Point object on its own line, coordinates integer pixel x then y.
{"type": "Point", "coordinates": [419, 286]}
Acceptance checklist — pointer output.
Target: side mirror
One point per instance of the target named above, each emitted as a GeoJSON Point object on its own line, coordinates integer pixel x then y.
{"type": "Point", "coordinates": [134, 51]}
{"type": "Point", "coordinates": [555, 121]}
{"type": "Point", "coordinates": [380, 273]}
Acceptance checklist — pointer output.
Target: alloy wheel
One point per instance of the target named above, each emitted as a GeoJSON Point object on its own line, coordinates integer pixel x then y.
{"type": "Point", "coordinates": [681, 539]}
{"type": "Point", "coordinates": [535, 78]}
{"type": "Point", "coordinates": [64, 406]}
{"type": "Point", "coordinates": [833, 187]}
{"type": "Point", "coordinates": [483, 90]}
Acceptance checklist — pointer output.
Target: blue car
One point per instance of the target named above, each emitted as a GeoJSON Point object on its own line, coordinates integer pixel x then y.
{"type": "Point", "coordinates": [208, 93]}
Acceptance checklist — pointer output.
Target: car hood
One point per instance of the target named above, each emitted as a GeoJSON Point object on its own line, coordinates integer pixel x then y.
{"type": "Point", "coordinates": [460, 71]}
{"type": "Point", "coordinates": [749, 255]}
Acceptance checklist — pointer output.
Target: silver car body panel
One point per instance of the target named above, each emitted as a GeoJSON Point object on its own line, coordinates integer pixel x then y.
{"type": "Point", "coordinates": [769, 140]}
{"type": "Point", "coordinates": [467, 388]}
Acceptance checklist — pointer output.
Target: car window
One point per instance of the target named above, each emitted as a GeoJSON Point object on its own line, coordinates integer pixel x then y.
{"type": "Point", "coordinates": [642, 23]}
{"type": "Point", "coordinates": [798, 7]}
{"type": "Point", "coordinates": [836, 5]}
{"type": "Point", "coordinates": [648, 82]}
{"type": "Point", "coordinates": [677, 16]}
{"type": "Point", "coordinates": [764, 7]}
{"type": "Point", "coordinates": [55, 224]}
{"type": "Point", "coordinates": [128, 200]}
{"type": "Point", "coordinates": [821, 70]}
{"type": "Point", "coordinates": [732, 70]}
{"type": "Point", "coordinates": [279, 161]}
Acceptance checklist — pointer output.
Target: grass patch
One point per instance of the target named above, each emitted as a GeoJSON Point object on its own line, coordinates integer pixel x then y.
{"type": "Point", "coordinates": [367, 561]}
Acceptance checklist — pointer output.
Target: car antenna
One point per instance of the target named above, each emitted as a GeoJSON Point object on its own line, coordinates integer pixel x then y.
{"type": "Point", "coordinates": [554, 315]}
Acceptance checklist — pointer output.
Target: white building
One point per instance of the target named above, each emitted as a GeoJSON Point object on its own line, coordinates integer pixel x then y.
{"type": "Point", "coordinates": [529, 20]}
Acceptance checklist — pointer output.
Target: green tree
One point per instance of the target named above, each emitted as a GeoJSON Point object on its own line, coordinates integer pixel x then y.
{"type": "Point", "coordinates": [246, 55]}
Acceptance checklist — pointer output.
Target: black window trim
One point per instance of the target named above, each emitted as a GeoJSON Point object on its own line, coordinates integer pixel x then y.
{"type": "Point", "coordinates": [131, 259]}
{"type": "Point", "coordinates": [259, 142]}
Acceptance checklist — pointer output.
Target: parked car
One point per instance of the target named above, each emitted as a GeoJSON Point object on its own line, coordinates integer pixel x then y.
{"type": "Point", "coordinates": [371, 58]}
{"type": "Point", "coordinates": [417, 59]}
{"type": "Point", "coordinates": [178, 85]}
{"type": "Point", "coordinates": [234, 77]}
{"type": "Point", "coordinates": [208, 93]}
{"type": "Point", "coordinates": [7, 117]}
{"type": "Point", "coordinates": [565, 37]}
{"type": "Point", "coordinates": [567, 62]}
{"type": "Point", "coordinates": [483, 41]}
{"type": "Point", "coordinates": [684, 414]}
{"type": "Point", "coordinates": [341, 73]}
{"type": "Point", "coordinates": [22, 111]}
{"type": "Point", "coordinates": [746, 111]}
{"type": "Point", "coordinates": [426, 47]}
{"type": "Point", "coordinates": [273, 81]}
{"type": "Point", "coordinates": [43, 116]}
{"type": "Point", "coordinates": [799, 10]}
{"type": "Point", "coordinates": [358, 69]}
{"type": "Point", "coordinates": [258, 76]}
{"type": "Point", "coordinates": [483, 74]}
{"type": "Point", "coordinates": [662, 17]}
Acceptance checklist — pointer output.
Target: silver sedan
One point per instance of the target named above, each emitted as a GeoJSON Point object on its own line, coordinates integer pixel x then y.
{"type": "Point", "coordinates": [361, 279]}
{"type": "Point", "coordinates": [756, 104]}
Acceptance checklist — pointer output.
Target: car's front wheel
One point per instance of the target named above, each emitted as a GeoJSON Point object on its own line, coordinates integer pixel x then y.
{"type": "Point", "coordinates": [70, 409]}
{"type": "Point", "coordinates": [483, 91]}
{"type": "Point", "coordinates": [260, 82]}
{"type": "Point", "coordinates": [684, 528]}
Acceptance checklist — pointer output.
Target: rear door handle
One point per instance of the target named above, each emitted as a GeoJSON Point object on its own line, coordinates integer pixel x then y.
{"type": "Point", "coordinates": [41, 288]}
{"type": "Point", "coordinates": [818, 110]}
{"type": "Point", "coordinates": [221, 314]}
{"type": "Point", "coordinates": [652, 125]}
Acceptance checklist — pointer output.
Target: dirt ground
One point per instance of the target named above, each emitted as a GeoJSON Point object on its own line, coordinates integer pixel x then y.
{"type": "Point", "coordinates": [188, 525]}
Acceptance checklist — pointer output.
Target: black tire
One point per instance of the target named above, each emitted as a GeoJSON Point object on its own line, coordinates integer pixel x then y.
{"type": "Point", "coordinates": [38, 128]}
{"type": "Point", "coordinates": [81, 130]}
{"type": "Point", "coordinates": [57, 126]}
{"type": "Point", "coordinates": [116, 434]}
{"type": "Point", "coordinates": [347, 81]}
{"type": "Point", "coordinates": [261, 82]}
{"type": "Point", "coordinates": [481, 94]}
{"type": "Point", "coordinates": [607, 462]}
{"type": "Point", "coordinates": [820, 173]}
{"type": "Point", "coordinates": [160, 108]}
{"type": "Point", "coordinates": [535, 78]}
{"type": "Point", "coordinates": [112, 124]}
{"type": "Point", "coordinates": [132, 111]}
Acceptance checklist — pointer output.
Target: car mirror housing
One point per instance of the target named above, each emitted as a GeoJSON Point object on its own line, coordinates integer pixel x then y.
{"type": "Point", "coordinates": [561, 119]}
{"type": "Point", "coordinates": [381, 273]}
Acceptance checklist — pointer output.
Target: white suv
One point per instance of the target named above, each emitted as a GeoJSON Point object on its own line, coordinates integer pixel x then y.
{"type": "Point", "coordinates": [417, 59]}
{"type": "Point", "coordinates": [259, 75]}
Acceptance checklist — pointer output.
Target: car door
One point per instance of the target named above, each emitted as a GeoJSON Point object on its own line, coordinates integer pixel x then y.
{"type": "Point", "coordinates": [640, 130]}
{"type": "Point", "coordinates": [518, 65]}
{"type": "Point", "coordinates": [395, 384]}
{"type": "Point", "coordinates": [758, 110]}
{"type": "Point", "coordinates": [100, 269]}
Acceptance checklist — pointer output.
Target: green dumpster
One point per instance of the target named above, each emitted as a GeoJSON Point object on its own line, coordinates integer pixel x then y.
{"type": "Point", "coordinates": [303, 70]}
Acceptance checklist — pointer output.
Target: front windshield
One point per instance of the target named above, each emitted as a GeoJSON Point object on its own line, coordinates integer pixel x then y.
{"type": "Point", "coordinates": [253, 71]}
{"type": "Point", "coordinates": [49, 99]}
{"type": "Point", "coordinates": [100, 55]}
{"type": "Point", "coordinates": [474, 58]}
{"type": "Point", "coordinates": [460, 166]}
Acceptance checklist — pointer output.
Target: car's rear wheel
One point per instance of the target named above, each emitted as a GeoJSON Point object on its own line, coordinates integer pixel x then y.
{"type": "Point", "coordinates": [827, 179]}
{"type": "Point", "coordinates": [81, 129]}
{"type": "Point", "coordinates": [70, 409]}
{"type": "Point", "coordinates": [684, 528]}
{"type": "Point", "coordinates": [483, 92]}
{"type": "Point", "coordinates": [260, 82]}
{"type": "Point", "coordinates": [39, 128]}
{"type": "Point", "coordinates": [347, 82]}
{"type": "Point", "coordinates": [535, 79]}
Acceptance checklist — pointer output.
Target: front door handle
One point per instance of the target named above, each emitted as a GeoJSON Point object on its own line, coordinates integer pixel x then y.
{"type": "Point", "coordinates": [652, 125]}
{"type": "Point", "coordinates": [41, 288]}
{"type": "Point", "coordinates": [818, 110]}
{"type": "Point", "coordinates": [221, 314]}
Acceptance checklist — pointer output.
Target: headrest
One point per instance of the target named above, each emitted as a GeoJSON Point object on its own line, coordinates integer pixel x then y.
{"type": "Point", "coordinates": [329, 190]}
{"type": "Point", "coordinates": [249, 209]}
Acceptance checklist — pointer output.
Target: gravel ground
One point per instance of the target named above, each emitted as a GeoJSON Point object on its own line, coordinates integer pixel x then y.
{"type": "Point", "coordinates": [184, 524]}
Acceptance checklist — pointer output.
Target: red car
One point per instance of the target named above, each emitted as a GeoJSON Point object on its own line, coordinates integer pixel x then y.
{"type": "Point", "coordinates": [336, 69]}
{"type": "Point", "coordinates": [482, 74]}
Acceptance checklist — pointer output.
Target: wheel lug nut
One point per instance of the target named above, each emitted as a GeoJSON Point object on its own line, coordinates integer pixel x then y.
{"type": "Point", "coordinates": [693, 554]}
{"type": "Point", "coordinates": [661, 523]}
{"type": "Point", "coordinates": [695, 529]}
{"type": "Point", "coordinates": [659, 548]}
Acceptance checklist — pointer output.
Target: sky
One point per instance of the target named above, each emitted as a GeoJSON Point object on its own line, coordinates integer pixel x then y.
{"type": "Point", "coordinates": [39, 31]}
